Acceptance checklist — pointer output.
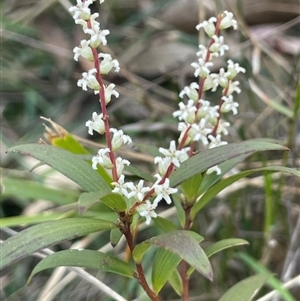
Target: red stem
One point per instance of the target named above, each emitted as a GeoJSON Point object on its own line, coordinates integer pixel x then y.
{"type": "Point", "coordinates": [104, 111]}
{"type": "Point", "coordinates": [140, 275]}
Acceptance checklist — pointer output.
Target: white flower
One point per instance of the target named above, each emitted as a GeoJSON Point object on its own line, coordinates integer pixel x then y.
{"type": "Point", "coordinates": [233, 69]}
{"type": "Point", "coordinates": [119, 139]}
{"type": "Point", "coordinates": [176, 156]}
{"type": "Point", "coordinates": [138, 191]}
{"type": "Point", "coordinates": [109, 91]}
{"type": "Point", "coordinates": [233, 87]}
{"type": "Point", "coordinates": [216, 169]}
{"type": "Point", "coordinates": [97, 36]}
{"type": "Point", "coordinates": [163, 164]}
{"type": "Point", "coordinates": [208, 26]}
{"type": "Point", "coordinates": [122, 187]}
{"type": "Point", "coordinates": [89, 80]}
{"type": "Point", "coordinates": [120, 164]}
{"type": "Point", "coordinates": [184, 128]}
{"type": "Point", "coordinates": [102, 158]}
{"type": "Point", "coordinates": [202, 68]}
{"type": "Point", "coordinates": [163, 190]}
{"type": "Point", "coordinates": [147, 210]}
{"type": "Point", "coordinates": [218, 46]}
{"type": "Point", "coordinates": [81, 10]}
{"type": "Point", "coordinates": [186, 112]}
{"type": "Point", "coordinates": [84, 50]}
{"type": "Point", "coordinates": [107, 63]}
{"type": "Point", "coordinates": [228, 21]}
{"type": "Point", "coordinates": [96, 124]}
{"type": "Point", "coordinates": [191, 92]}
{"type": "Point", "coordinates": [207, 111]}
{"type": "Point", "coordinates": [222, 127]}
{"type": "Point", "coordinates": [229, 105]}
{"type": "Point", "coordinates": [211, 82]}
{"type": "Point", "coordinates": [200, 131]}
{"type": "Point", "coordinates": [203, 53]}
{"type": "Point", "coordinates": [92, 21]}
{"type": "Point", "coordinates": [222, 78]}
{"type": "Point", "coordinates": [215, 141]}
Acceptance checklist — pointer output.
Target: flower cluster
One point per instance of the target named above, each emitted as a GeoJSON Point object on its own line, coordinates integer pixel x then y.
{"type": "Point", "coordinates": [198, 119]}
{"type": "Point", "coordinates": [138, 194]}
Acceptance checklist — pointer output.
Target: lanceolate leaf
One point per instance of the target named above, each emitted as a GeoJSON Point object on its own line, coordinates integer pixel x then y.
{"type": "Point", "coordinates": [246, 289]}
{"type": "Point", "coordinates": [210, 179]}
{"type": "Point", "coordinates": [164, 224]}
{"type": "Point", "coordinates": [204, 160]}
{"type": "Point", "coordinates": [44, 235]}
{"type": "Point", "coordinates": [183, 243]}
{"type": "Point", "coordinates": [176, 282]}
{"type": "Point", "coordinates": [113, 200]}
{"type": "Point", "coordinates": [115, 236]}
{"type": "Point", "coordinates": [34, 190]}
{"type": "Point", "coordinates": [85, 259]}
{"type": "Point", "coordinates": [65, 162]}
{"type": "Point", "coordinates": [68, 142]}
{"type": "Point", "coordinates": [212, 192]}
{"type": "Point", "coordinates": [272, 281]}
{"type": "Point", "coordinates": [164, 264]}
{"type": "Point", "coordinates": [221, 245]}
{"type": "Point", "coordinates": [33, 219]}
{"type": "Point", "coordinates": [224, 244]}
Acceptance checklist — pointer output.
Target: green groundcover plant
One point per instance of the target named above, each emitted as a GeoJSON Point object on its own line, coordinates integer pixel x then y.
{"type": "Point", "coordinates": [189, 174]}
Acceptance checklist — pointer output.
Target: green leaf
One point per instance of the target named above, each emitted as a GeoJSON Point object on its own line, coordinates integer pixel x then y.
{"type": "Point", "coordinates": [209, 158]}
{"type": "Point", "coordinates": [272, 281]}
{"type": "Point", "coordinates": [211, 179]}
{"type": "Point", "coordinates": [212, 192]}
{"type": "Point", "coordinates": [44, 235]}
{"type": "Point", "coordinates": [68, 142]}
{"type": "Point", "coordinates": [140, 173]}
{"type": "Point", "coordinates": [180, 211]}
{"type": "Point", "coordinates": [176, 282]}
{"type": "Point", "coordinates": [164, 224]}
{"type": "Point", "coordinates": [87, 199]}
{"type": "Point", "coordinates": [113, 200]}
{"type": "Point", "coordinates": [86, 259]}
{"type": "Point", "coordinates": [31, 219]}
{"type": "Point", "coordinates": [190, 187]}
{"type": "Point", "coordinates": [224, 244]}
{"type": "Point", "coordinates": [115, 236]}
{"type": "Point", "coordinates": [65, 162]}
{"type": "Point", "coordinates": [246, 289]}
{"type": "Point", "coordinates": [33, 190]}
{"type": "Point", "coordinates": [183, 243]}
{"type": "Point", "coordinates": [219, 246]}
{"type": "Point", "coordinates": [164, 264]}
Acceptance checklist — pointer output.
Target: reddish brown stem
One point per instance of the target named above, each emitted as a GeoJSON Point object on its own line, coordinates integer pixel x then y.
{"type": "Point", "coordinates": [140, 275]}
{"type": "Point", "coordinates": [104, 111]}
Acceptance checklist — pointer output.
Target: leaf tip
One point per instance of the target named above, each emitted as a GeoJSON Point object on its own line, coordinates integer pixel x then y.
{"type": "Point", "coordinates": [210, 275]}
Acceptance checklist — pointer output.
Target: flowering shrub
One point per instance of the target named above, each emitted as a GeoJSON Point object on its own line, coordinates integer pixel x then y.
{"type": "Point", "coordinates": [181, 170]}
{"type": "Point", "coordinates": [199, 120]}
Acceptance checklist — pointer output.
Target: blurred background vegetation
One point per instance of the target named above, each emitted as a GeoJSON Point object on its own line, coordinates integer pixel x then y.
{"type": "Point", "coordinates": [155, 42]}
